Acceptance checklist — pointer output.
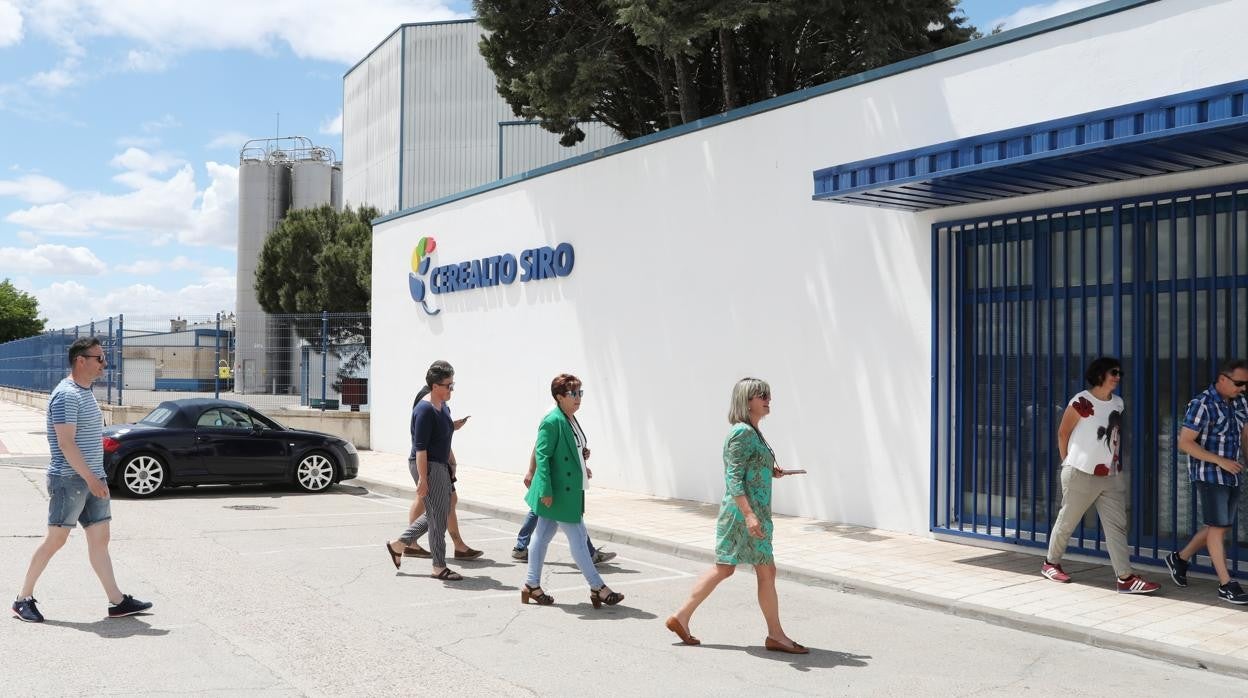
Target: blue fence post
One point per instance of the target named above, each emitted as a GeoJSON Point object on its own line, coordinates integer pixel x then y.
{"type": "Point", "coordinates": [121, 356]}
{"type": "Point", "coordinates": [216, 382]}
{"type": "Point", "coordinates": [324, 354]}
{"type": "Point", "coordinates": [112, 367]}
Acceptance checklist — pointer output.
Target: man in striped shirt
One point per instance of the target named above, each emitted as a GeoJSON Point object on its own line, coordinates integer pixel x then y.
{"type": "Point", "coordinates": [1214, 440]}
{"type": "Point", "coordinates": [77, 486]}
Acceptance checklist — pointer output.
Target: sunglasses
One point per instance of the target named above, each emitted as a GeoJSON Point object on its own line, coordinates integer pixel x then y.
{"type": "Point", "coordinates": [1115, 372]}
{"type": "Point", "coordinates": [97, 357]}
{"type": "Point", "coordinates": [448, 386]}
{"type": "Point", "coordinates": [1238, 384]}
{"type": "Point", "coordinates": [575, 393]}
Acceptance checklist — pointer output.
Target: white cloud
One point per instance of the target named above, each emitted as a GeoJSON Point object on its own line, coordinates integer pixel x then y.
{"type": "Point", "coordinates": [164, 122]}
{"type": "Point", "coordinates": [139, 160]}
{"type": "Point", "coordinates": [215, 221]}
{"type": "Point", "coordinates": [329, 30]}
{"type": "Point", "coordinates": [10, 24]}
{"type": "Point", "coordinates": [28, 237]}
{"type": "Point", "coordinates": [230, 140]}
{"type": "Point", "coordinates": [142, 267]}
{"type": "Point", "coordinates": [45, 259]}
{"type": "Point", "coordinates": [155, 212]}
{"type": "Point", "coordinates": [138, 141]}
{"type": "Point", "coordinates": [146, 61]}
{"type": "Point", "coordinates": [1038, 12]}
{"type": "Point", "coordinates": [34, 189]}
{"type": "Point", "coordinates": [52, 80]}
{"type": "Point", "coordinates": [333, 126]}
{"type": "Point", "coordinates": [67, 303]}
{"type": "Point", "coordinates": [151, 267]}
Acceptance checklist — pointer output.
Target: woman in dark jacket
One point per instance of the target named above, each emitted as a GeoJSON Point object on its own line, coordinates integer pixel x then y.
{"type": "Point", "coordinates": [557, 494]}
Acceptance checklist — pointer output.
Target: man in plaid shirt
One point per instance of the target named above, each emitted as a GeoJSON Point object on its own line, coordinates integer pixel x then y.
{"type": "Point", "coordinates": [1213, 437]}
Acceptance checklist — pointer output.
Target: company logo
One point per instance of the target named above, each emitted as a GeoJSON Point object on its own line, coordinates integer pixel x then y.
{"type": "Point", "coordinates": [420, 267]}
{"type": "Point", "coordinates": [530, 265]}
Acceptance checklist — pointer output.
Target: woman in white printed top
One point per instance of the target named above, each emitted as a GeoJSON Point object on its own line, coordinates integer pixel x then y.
{"type": "Point", "coordinates": [1088, 441]}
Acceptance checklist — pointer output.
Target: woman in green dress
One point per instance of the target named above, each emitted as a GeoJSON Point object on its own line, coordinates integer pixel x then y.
{"type": "Point", "coordinates": [743, 531]}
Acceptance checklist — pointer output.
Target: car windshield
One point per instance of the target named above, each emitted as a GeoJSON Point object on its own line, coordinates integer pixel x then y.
{"type": "Point", "coordinates": [158, 417]}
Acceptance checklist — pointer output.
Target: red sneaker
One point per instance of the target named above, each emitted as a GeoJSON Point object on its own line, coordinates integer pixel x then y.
{"type": "Point", "coordinates": [1054, 572]}
{"type": "Point", "coordinates": [1135, 584]}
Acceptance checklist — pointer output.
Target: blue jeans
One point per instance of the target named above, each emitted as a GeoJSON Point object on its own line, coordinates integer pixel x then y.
{"type": "Point", "coordinates": [1218, 503]}
{"type": "Point", "coordinates": [575, 532]}
{"type": "Point", "coordinates": [526, 533]}
{"type": "Point", "coordinates": [70, 502]}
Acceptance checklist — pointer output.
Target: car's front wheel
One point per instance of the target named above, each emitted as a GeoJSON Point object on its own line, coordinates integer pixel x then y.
{"type": "Point", "coordinates": [315, 472]}
{"type": "Point", "coordinates": [143, 475]}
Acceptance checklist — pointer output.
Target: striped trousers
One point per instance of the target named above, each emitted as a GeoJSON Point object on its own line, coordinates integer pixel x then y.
{"type": "Point", "coordinates": [437, 509]}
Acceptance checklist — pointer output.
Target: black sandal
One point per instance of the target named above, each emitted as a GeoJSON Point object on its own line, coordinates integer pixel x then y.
{"type": "Point", "coordinates": [597, 599]}
{"type": "Point", "coordinates": [448, 575]}
{"type": "Point", "coordinates": [539, 597]}
{"type": "Point", "coordinates": [396, 558]}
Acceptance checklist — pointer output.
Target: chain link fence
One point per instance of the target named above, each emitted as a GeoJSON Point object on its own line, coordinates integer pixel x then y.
{"type": "Point", "coordinates": [316, 361]}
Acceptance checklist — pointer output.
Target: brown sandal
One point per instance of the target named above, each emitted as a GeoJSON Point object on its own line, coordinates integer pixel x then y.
{"type": "Point", "coordinates": [396, 558]}
{"type": "Point", "coordinates": [673, 624]}
{"type": "Point", "coordinates": [597, 599]}
{"type": "Point", "coordinates": [538, 596]}
{"type": "Point", "coordinates": [775, 646]}
{"type": "Point", "coordinates": [448, 575]}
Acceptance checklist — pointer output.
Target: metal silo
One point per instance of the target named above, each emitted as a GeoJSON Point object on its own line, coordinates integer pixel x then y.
{"type": "Point", "coordinates": [263, 198]}
{"type": "Point", "coordinates": [311, 176]}
{"type": "Point", "coordinates": [276, 175]}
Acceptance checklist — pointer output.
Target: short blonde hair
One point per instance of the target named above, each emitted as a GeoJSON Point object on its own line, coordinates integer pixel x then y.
{"type": "Point", "coordinates": [745, 390]}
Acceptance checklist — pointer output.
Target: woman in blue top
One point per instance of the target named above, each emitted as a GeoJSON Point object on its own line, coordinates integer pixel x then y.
{"type": "Point", "coordinates": [743, 530]}
{"type": "Point", "coordinates": [430, 466]}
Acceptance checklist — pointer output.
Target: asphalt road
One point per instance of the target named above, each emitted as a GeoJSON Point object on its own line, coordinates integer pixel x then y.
{"type": "Point", "coordinates": [263, 591]}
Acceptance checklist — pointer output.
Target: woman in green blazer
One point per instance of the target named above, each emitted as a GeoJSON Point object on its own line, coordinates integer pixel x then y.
{"type": "Point", "coordinates": [557, 494]}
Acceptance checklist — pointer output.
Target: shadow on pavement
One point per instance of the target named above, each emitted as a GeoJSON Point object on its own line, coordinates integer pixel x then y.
{"type": "Point", "coordinates": [130, 626]}
{"type": "Point", "coordinates": [817, 659]}
{"type": "Point", "coordinates": [262, 491]}
{"type": "Point", "coordinates": [483, 563]}
{"type": "Point", "coordinates": [603, 568]}
{"type": "Point", "coordinates": [586, 611]}
{"type": "Point", "coordinates": [468, 583]}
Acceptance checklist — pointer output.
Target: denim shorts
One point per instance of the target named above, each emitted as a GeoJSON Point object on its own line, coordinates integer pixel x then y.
{"type": "Point", "coordinates": [70, 502]}
{"type": "Point", "coordinates": [1218, 503]}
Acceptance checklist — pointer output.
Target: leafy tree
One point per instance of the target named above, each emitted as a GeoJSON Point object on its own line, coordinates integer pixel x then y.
{"type": "Point", "coordinates": [643, 65]}
{"type": "Point", "coordinates": [319, 259]}
{"type": "Point", "coordinates": [19, 314]}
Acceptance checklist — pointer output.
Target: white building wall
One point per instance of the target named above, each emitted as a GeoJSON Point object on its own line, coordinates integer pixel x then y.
{"type": "Point", "coordinates": [702, 259]}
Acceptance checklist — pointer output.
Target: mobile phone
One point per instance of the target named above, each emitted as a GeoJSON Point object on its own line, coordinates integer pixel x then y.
{"type": "Point", "coordinates": [799, 471]}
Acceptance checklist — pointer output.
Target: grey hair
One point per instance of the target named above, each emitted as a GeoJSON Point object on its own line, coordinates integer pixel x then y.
{"type": "Point", "coordinates": [745, 390]}
{"type": "Point", "coordinates": [438, 371]}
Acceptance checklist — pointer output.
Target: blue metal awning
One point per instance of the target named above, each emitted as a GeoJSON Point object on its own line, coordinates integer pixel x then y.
{"type": "Point", "coordinates": [1178, 133]}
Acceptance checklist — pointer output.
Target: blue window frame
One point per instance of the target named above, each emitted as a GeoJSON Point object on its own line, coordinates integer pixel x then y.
{"type": "Point", "coordinates": [1023, 302]}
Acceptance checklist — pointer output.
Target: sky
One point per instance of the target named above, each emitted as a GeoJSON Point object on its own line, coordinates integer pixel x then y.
{"type": "Point", "coordinates": [121, 122]}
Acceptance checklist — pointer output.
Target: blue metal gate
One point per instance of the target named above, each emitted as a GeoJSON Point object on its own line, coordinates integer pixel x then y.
{"type": "Point", "coordinates": [1023, 302]}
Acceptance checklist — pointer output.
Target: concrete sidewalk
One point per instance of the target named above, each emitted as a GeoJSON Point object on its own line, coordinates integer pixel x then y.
{"type": "Point", "coordinates": [1185, 626]}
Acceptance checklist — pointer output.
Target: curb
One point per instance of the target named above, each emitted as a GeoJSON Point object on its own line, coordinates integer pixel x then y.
{"type": "Point", "coordinates": [1181, 656]}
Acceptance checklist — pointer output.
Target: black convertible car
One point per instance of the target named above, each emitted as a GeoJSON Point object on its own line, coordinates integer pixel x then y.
{"type": "Point", "coordinates": [203, 441]}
